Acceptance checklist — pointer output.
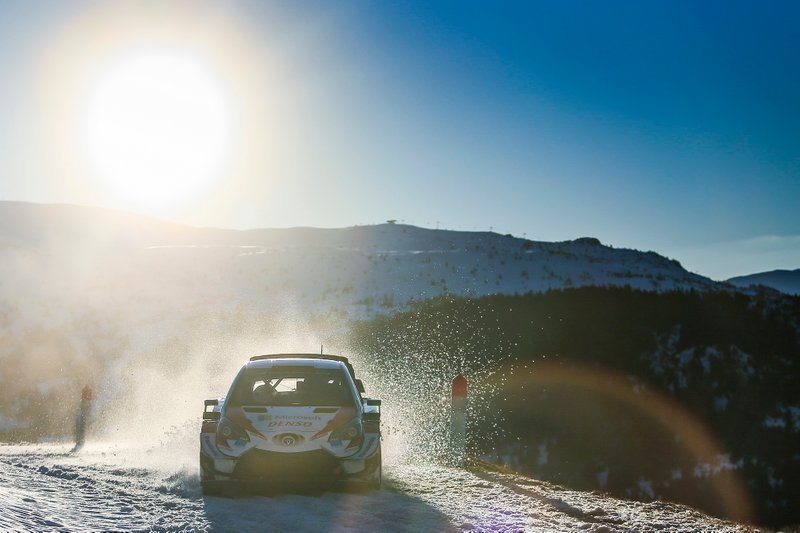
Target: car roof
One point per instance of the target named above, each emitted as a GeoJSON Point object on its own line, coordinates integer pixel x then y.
{"type": "Point", "coordinates": [295, 362]}
{"type": "Point", "coordinates": [301, 357]}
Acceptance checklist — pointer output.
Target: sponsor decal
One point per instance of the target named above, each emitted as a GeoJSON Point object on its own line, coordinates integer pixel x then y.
{"type": "Point", "coordinates": [289, 423]}
{"type": "Point", "coordinates": [342, 417]}
{"type": "Point", "coordinates": [288, 439]}
{"type": "Point", "coordinates": [237, 416]}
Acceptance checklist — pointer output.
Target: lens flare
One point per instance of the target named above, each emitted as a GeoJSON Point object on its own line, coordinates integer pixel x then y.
{"type": "Point", "coordinates": [603, 384]}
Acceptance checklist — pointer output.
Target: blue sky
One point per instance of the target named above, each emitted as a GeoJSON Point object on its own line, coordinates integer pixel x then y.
{"type": "Point", "coordinates": [666, 126]}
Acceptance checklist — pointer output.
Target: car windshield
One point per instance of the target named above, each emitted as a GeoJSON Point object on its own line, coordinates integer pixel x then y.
{"type": "Point", "coordinates": [301, 386]}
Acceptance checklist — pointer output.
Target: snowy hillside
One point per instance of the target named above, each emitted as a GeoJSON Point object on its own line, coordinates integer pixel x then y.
{"type": "Point", "coordinates": [353, 271]}
{"type": "Point", "coordinates": [97, 290]}
{"type": "Point", "coordinates": [142, 309]}
{"type": "Point", "coordinates": [786, 281]}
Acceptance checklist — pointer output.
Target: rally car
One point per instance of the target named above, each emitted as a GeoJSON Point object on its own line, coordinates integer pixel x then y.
{"type": "Point", "coordinates": [291, 417]}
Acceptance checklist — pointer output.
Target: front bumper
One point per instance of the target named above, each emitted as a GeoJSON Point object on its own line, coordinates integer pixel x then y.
{"type": "Point", "coordinates": [262, 466]}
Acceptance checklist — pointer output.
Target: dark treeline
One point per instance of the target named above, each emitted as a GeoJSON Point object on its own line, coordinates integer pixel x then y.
{"type": "Point", "coordinates": [681, 396]}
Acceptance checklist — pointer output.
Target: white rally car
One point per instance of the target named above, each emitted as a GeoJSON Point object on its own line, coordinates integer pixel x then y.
{"type": "Point", "coordinates": [291, 417]}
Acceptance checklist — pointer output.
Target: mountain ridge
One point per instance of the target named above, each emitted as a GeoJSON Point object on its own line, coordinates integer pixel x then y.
{"type": "Point", "coordinates": [786, 281]}
{"type": "Point", "coordinates": [408, 261]}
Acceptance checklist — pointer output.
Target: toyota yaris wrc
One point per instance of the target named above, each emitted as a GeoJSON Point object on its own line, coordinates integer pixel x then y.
{"type": "Point", "coordinates": [291, 418]}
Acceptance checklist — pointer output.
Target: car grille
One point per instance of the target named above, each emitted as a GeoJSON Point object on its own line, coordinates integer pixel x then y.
{"type": "Point", "coordinates": [260, 465]}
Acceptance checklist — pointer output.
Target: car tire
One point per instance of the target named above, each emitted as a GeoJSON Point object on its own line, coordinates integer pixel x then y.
{"type": "Point", "coordinates": [377, 476]}
{"type": "Point", "coordinates": [211, 489]}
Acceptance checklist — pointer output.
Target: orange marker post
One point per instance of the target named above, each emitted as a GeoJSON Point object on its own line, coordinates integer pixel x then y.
{"type": "Point", "coordinates": [458, 420]}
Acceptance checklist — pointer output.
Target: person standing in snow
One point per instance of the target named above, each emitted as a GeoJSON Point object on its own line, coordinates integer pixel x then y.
{"type": "Point", "coordinates": [82, 417]}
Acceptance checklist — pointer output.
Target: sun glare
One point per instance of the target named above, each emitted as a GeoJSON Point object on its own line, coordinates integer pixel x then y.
{"type": "Point", "coordinates": [157, 127]}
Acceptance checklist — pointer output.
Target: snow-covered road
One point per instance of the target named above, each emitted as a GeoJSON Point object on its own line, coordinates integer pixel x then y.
{"type": "Point", "coordinates": [117, 488]}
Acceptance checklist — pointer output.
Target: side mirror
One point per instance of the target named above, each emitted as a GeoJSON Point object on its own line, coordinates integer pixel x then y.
{"type": "Point", "coordinates": [211, 415]}
{"type": "Point", "coordinates": [374, 402]}
{"type": "Point", "coordinates": [371, 417]}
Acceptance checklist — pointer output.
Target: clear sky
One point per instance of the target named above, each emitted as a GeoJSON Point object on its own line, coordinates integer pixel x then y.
{"type": "Point", "coordinates": [666, 126]}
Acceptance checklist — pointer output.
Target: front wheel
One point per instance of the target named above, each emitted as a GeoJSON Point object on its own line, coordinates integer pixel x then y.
{"type": "Point", "coordinates": [207, 483]}
{"type": "Point", "coordinates": [377, 476]}
{"type": "Point", "coordinates": [211, 489]}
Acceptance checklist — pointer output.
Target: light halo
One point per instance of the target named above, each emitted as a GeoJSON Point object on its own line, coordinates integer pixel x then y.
{"type": "Point", "coordinates": [157, 126]}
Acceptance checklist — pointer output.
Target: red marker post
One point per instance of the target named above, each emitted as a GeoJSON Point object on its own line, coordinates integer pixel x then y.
{"type": "Point", "coordinates": [458, 420]}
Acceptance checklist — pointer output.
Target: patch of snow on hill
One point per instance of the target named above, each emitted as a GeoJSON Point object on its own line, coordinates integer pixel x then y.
{"type": "Point", "coordinates": [786, 281]}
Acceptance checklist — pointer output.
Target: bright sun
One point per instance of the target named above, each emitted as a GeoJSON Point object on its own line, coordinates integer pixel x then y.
{"type": "Point", "coordinates": [157, 128]}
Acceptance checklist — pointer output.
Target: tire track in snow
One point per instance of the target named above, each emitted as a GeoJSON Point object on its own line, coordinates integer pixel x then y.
{"type": "Point", "coordinates": [42, 488]}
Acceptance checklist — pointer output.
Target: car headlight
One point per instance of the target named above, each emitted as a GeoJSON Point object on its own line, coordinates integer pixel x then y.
{"type": "Point", "coordinates": [228, 431]}
{"type": "Point", "coordinates": [350, 431]}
